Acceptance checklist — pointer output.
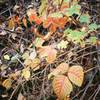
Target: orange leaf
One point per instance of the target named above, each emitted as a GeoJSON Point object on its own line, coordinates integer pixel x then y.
{"type": "Point", "coordinates": [54, 23]}
{"type": "Point", "coordinates": [60, 69]}
{"type": "Point", "coordinates": [34, 18]}
{"type": "Point", "coordinates": [62, 86]}
{"type": "Point", "coordinates": [76, 75]}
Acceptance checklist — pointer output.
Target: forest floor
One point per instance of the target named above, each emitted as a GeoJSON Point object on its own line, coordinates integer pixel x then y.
{"type": "Point", "coordinates": [42, 42]}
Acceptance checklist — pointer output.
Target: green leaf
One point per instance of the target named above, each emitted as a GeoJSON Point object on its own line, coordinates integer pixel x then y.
{"type": "Point", "coordinates": [38, 42]}
{"type": "Point", "coordinates": [92, 40]}
{"type": "Point", "coordinates": [93, 27]}
{"type": "Point", "coordinates": [74, 9]}
{"type": "Point", "coordinates": [85, 18]}
{"type": "Point", "coordinates": [74, 35]}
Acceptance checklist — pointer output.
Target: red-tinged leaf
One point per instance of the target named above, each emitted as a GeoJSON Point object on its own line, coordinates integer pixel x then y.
{"type": "Point", "coordinates": [53, 23]}
{"type": "Point", "coordinates": [62, 86]}
{"type": "Point", "coordinates": [60, 69]}
{"type": "Point", "coordinates": [76, 75]}
{"type": "Point", "coordinates": [34, 18]}
{"type": "Point", "coordinates": [38, 20]}
{"type": "Point", "coordinates": [47, 22]}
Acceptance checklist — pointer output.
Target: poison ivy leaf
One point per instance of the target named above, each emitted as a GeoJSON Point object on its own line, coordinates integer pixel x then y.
{"type": "Point", "coordinates": [85, 18]}
{"type": "Point", "coordinates": [7, 83]}
{"type": "Point", "coordinates": [60, 69]}
{"type": "Point", "coordinates": [76, 75]}
{"type": "Point", "coordinates": [74, 35]}
{"type": "Point", "coordinates": [62, 44]}
{"type": "Point", "coordinates": [74, 9]}
{"type": "Point", "coordinates": [62, 86]}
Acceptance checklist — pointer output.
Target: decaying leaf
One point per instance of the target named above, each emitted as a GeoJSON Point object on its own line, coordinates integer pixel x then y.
{"type": "Point", "coordinates": [48, 52]}
{"type": "Point", "coordinates": [76, 75]}
{"type": "Point", "coordinates": [60, 69]}
{"type": "Point", "coordinates": [11, 23]}
{"type": "Point", "coordinates": [32, 63]}
{"type": "Point", "coordinates": [62, 86]}
{"type": "Point", "coordinates": [7, 83]}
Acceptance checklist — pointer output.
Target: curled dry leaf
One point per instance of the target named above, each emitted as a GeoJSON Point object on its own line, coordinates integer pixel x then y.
{"type": "Point", "coordinates": [60, 69]}
{"type": "Point", "coordinates": [76, 75]}
{"type": "Point", "coordinates": [7, 83]}
{"type": "Point", "coordinates": [62, 86]}
{"type": "Point", "coordinates": [48, 52]}
{"type": "Point", "coordinates": [11, 23]}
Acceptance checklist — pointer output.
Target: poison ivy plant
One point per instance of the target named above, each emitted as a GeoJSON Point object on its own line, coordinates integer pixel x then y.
{"type": "Point", "coordinates": [63, 76]}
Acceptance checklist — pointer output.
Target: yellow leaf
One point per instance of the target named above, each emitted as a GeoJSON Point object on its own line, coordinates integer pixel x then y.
{"type": "Point", "coordinates": [26, 73]}
{"type": "Point", "coordinates": [60, 69]}
{"type": "Point", "coordinates": [35, 63]}
{"type": "Point", "coordinates": [76, 75]}
{"type": "Point", "coordinates": [27, 62]}
{"type": "Point", "coordinates": [62, 86]}
{"type": "Point", "coordinates": [7, 83]}
{"type": "Point", "coordinates": [6, 57]}
{"type": "Point", "coordinates": [25, 55]}
{"type": "Point", "coordinates": [11, 23]}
